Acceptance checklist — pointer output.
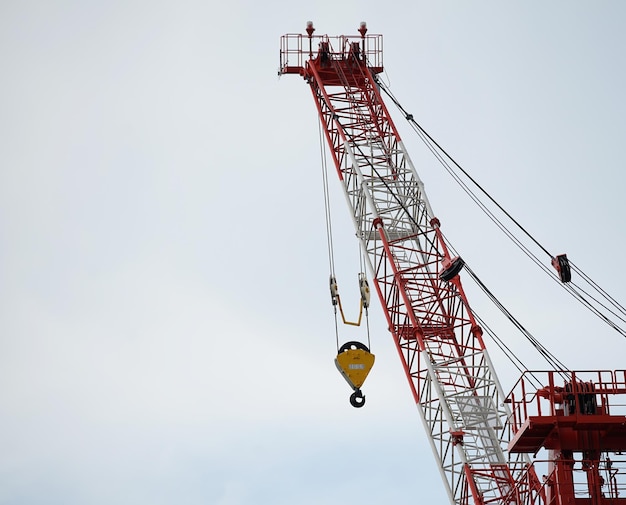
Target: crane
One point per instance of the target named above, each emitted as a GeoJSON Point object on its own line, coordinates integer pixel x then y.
{"type": "Point", "coordinates": [557, 436]}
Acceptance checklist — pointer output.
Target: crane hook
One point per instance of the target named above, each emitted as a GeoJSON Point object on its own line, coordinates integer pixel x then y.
{"type": "Point", "coordinates": [357, 399]}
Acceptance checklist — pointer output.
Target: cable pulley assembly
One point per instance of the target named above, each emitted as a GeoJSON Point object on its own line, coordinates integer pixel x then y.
{"type": "Point", "coordinates": [365, 290]}
{"type": "Point", "coordinates": [363, 303]}
{"type": "Point", "coordinates": [334, 294]}
{"type": "Point", "coordinates": [354, 359]}
{"type": "Point", "coordinates": [451, 268]}
{"type": "Point", "coordinates": [561, 263]}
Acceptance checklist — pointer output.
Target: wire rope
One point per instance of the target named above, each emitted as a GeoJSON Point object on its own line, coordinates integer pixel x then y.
{"type": "Point", "coordinates": [553, 361]}
{"type": "Point", "coordinates": [582, 296]}
{"type": "Point", "coordinates": [329, 230]}
{"type": "Point", "coordinates": [442, 155]}
{"type": "Point", "coordinates": [327, 213]}
{"type": "Point", "coordinates": [330, 242]}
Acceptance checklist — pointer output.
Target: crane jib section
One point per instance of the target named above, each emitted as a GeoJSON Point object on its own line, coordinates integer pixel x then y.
{"type": "Point", "coordinates": [458, 395]}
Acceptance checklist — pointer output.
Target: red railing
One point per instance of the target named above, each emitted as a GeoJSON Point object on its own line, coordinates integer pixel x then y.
{"type": "Point", "coordinates": [552, 393]}
{"type": "Point", "coordinates": [296, 49]}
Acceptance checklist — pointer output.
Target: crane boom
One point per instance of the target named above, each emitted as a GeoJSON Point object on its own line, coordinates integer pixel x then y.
{"type": "Point", "coordinates": [459, 398]}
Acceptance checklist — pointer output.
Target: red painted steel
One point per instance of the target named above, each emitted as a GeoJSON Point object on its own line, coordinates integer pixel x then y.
{"type": "Point", "coordinates": [482, 440]}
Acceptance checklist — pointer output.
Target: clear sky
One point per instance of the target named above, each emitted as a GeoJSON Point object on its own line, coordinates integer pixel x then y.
{"type": "Point", "coordinates": [166, 334]}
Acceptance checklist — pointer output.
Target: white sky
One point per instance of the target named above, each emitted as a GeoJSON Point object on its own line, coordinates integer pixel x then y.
{"type": "Point", "coordinates": [165, 327]}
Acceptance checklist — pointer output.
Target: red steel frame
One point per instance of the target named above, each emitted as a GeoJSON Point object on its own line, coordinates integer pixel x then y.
{"type": "Point", "coordinates": [579, 420]}
{"type": "Point", "coordinates": [456, 390]}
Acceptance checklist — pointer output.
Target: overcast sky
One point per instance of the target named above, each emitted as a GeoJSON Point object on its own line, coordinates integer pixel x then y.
{"type": "Point", "coordinates": [166, 333]}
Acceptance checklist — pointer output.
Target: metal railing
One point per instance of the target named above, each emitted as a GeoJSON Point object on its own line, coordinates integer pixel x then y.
{"type": "Point", "coordinates": [566, 392]}
{"type": "Point", "coordinates": [296, 49]}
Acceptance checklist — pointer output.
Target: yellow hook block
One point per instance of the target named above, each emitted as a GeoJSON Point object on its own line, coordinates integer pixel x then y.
{"type": "Point", "coordinates": [354, 362]}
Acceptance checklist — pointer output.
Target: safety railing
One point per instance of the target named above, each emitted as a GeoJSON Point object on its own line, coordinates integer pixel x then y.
{"type": "Point", "coordinates": [552, 393]}
{"type": "Point", "coordinates": [296, 49]}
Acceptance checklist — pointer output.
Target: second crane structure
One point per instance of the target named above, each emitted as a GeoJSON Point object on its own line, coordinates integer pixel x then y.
{"type": "Point", "coordinates": [481, 437]}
